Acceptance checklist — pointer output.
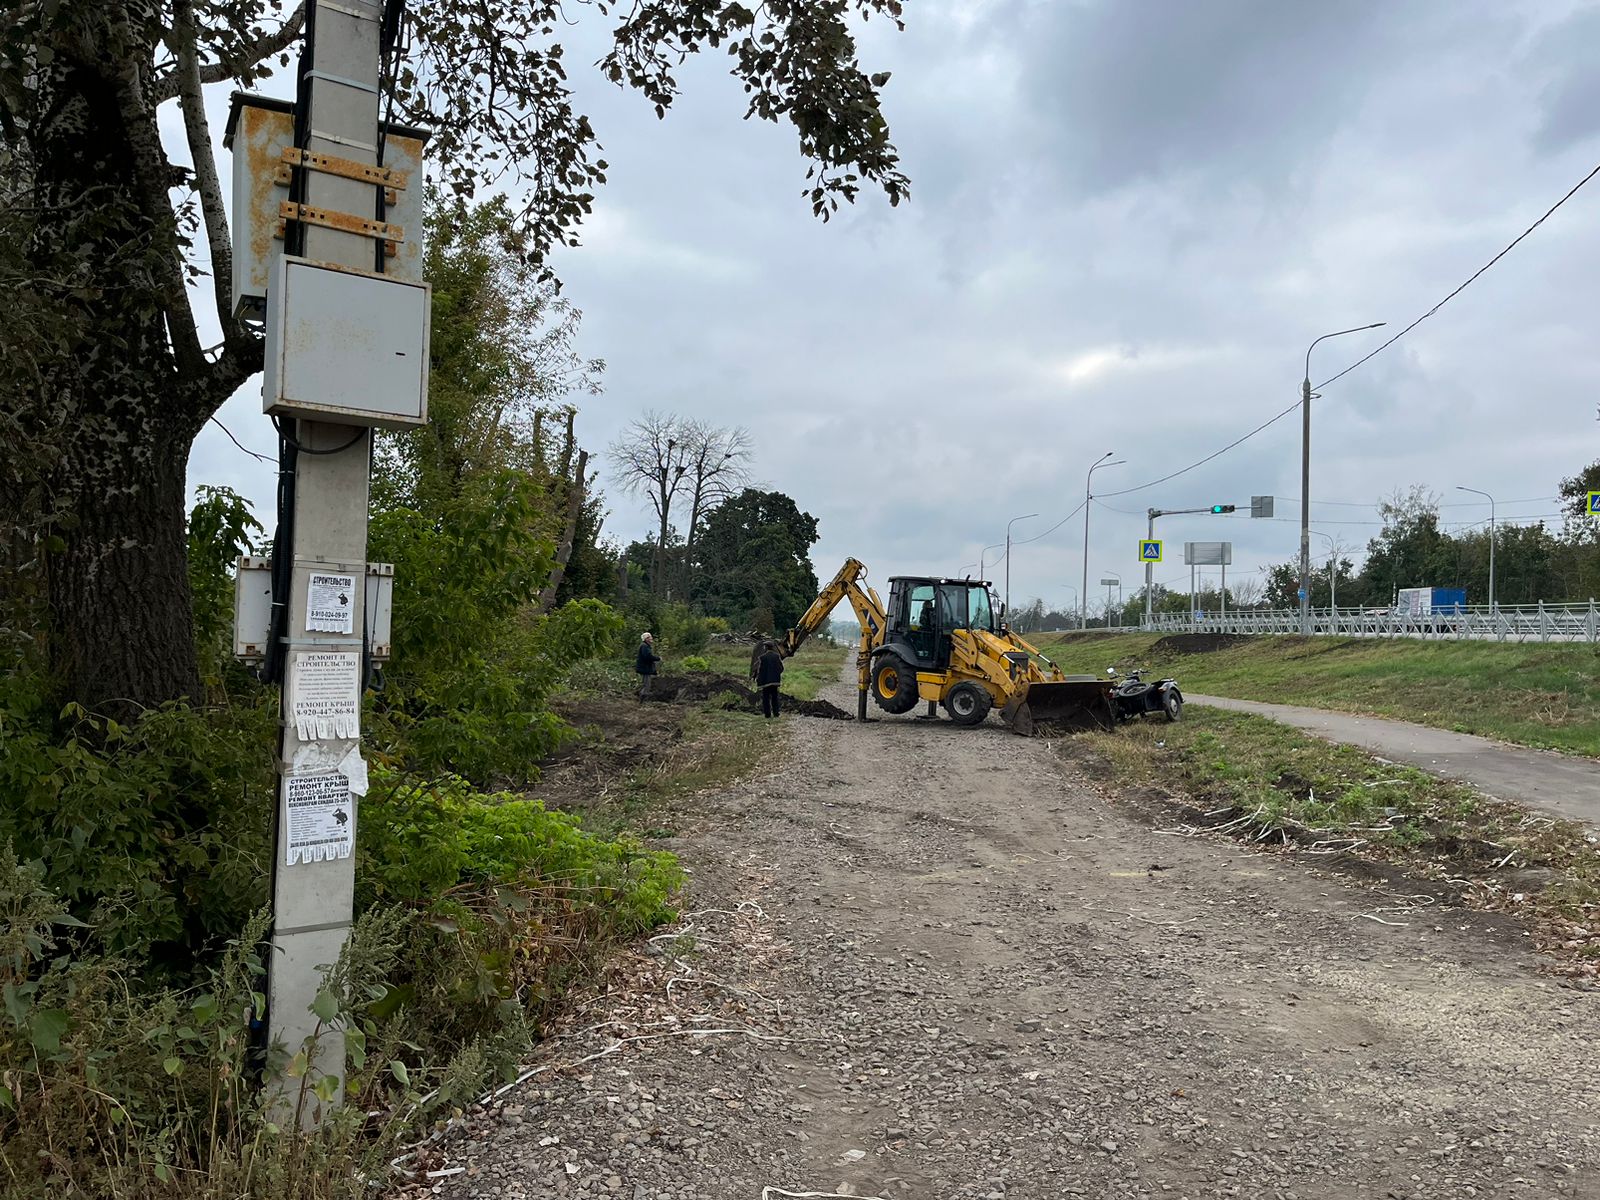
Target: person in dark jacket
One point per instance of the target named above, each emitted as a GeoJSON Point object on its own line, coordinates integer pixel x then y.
{"type": "Point", "coordinates": [769, 674]}
{"type": "Point", "coordinates": [645, 665]}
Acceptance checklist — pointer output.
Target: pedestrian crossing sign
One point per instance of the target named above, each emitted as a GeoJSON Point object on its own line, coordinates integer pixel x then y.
{"type": "Point", "coordinates": [1150, 552]}
{"type": "Point", "coordinates": [1594, 504]}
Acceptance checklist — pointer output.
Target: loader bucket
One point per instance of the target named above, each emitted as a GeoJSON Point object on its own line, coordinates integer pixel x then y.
{"type": "Point", "coordinates": [1080, 702]}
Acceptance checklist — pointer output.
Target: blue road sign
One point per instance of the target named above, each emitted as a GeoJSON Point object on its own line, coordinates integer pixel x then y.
{"type": "Point", "coordinates": [1150, 552]}
{"type": "Point", "coordinates": [1594, 504]}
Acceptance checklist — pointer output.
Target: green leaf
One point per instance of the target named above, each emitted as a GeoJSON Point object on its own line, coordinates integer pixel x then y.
{"type": "Point", "coordinates": [326, 1088]}
{"type": "Point", "coordinates": [398, 1070]}
{"type": "Point", "coordinates": [18, 1001]}
{"type": "Point", "coordinates": [69, 919]}
{"type": "Point", "coordinates": [326, 1006]}
{"type": "Point", "coordinates": [355, 1047]}
{"type": "Point", "coordinates": [172, 1065]}
{"type": "Point", "coordinates": [46, 1027]}
{"type": "Point", "coordinates": [7, 1100]}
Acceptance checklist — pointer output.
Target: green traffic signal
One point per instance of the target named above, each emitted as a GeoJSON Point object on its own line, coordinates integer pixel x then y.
{"type": "Point", "coordinates": [1222, 508]}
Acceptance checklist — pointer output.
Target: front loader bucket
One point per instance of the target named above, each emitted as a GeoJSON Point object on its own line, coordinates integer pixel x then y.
{"type": "Point", "coordinates": [1081, 702]}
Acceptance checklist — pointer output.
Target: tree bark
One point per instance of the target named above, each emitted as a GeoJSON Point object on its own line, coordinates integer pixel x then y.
{"type": "Point", "coordinates": [569, 533]}
{"type": "Point", "coordinates": [128, 392]}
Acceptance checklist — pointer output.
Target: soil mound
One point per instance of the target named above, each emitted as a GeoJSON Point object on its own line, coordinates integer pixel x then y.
{"type": "Point", "coordinates": [692, 689]}
{"type": "Point", "coordinates": [1197, 643]}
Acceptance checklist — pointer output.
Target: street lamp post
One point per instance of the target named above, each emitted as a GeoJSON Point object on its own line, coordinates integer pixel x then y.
{"type": "Point", "coordinates": [1009, 524]}
{"type": "Point", "coordinates": [983, 558]}
{"type": "Point", "coordinates": [1305, 477]}
{"type": "Point", "coordinates": [1083, 596]}
{"type": "Point", "coordinates": [1490, 499]}
{"type": "Point", "coordinates": [1333, 573]}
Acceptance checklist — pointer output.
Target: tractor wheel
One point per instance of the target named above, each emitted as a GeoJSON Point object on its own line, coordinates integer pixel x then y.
{"type": "Point", "coordinates": [894, 684]}
{"type": "Point", "coordinates": [1172, 705]}
{"type": "Point", "coordinates": [968, 703]}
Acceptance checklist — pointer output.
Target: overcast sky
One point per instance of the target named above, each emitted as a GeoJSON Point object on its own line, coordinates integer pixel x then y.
{"type": "Point", "coordinates": [1128, 219]}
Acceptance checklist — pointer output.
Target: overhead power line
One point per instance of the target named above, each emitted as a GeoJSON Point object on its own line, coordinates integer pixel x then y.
{"type": "Point", "coordinates": [1052, 529]}
{"type": "Point", "coordinates": [1379, 350]}
{"type": "Point", "coordinates": [1368, 357]}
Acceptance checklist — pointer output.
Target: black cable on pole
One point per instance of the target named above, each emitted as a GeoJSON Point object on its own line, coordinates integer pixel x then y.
{"type": "Point", "coordinates": [1052, 529]}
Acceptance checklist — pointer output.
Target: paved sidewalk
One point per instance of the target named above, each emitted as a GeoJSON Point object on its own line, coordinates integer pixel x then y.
{"type": "Point", "coordinates": [1559, 783]}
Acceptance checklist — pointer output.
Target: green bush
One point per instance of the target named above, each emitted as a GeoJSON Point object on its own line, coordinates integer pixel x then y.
{"type": "Point", "coordinates": [156, 834]}
{"type": "Point", "coordinates": [475, 912]}
{"type": "Point", "coordinates": [515, 900]}
{"type": "Point", "coordinates": [468, 692]}
{"type": "Point", "coordinates": [678, 629]}
{"type": "Point", "coordinates": [696, 663]}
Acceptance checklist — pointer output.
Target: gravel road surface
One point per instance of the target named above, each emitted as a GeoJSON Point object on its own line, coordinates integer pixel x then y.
{"type": "Point", "coordinates": [946, 965]}
{"type": "Point", "coordinates": [1565, 784]}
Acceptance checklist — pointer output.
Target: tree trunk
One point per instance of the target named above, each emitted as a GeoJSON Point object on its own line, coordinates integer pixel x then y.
{"type": "Point", "coordinates": [558, 569]}
{"type": "Point", "coordinates": [658, 583]}
{"type": "Point", "coordinates": [127, 390]}
{"type": "Point", "coordinates": [122, 633]}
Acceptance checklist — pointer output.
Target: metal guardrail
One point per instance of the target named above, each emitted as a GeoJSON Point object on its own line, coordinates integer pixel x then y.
{"type": "Point", "coordinates": [1504, 623]}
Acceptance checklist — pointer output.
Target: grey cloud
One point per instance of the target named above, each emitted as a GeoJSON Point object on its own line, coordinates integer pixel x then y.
{"type": "Point", "coordinates": [1128, 219]}
{"type": "Point", "coordinates": [1570, 99]}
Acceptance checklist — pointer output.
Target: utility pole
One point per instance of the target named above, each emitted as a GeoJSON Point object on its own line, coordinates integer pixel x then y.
{"type": "Point", "coordinates": [335, 218]}
{"type": "Point", "coordinates": [1149, 567]}
{"type": "Point", "coordinates": [1305, 477]}
{"type": "Point", "coordinates": [1009, 524]}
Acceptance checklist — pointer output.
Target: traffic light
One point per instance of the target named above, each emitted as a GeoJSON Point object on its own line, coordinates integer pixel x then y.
{"type": "Point", "coordinates": [1222, 508]}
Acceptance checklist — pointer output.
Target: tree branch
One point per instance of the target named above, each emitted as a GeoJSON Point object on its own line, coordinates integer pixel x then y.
{"type": "Point", "coordinates": [236, 66]}
{"type": "Point", "coordinates": [152, 174]}
{"type": "Point", "coordinates": [192, 102]}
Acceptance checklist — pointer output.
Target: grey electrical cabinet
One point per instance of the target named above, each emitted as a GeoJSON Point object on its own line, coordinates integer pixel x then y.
{"type": "Point", "coordinates": [252, 609]}
{"type": "Point", "coordinates": [346, 346]}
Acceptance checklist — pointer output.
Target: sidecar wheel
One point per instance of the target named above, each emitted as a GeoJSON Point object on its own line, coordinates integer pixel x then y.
{"type": "Point", "coordinates": [1172, 705]}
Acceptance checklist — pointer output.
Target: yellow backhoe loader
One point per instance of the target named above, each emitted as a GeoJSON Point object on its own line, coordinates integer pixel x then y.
{"type": "Point", "coordinates": [942, 642]}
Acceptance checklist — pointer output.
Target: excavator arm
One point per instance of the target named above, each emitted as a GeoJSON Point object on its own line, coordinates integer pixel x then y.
{"type": "Point", "coordinates": [869, 610]}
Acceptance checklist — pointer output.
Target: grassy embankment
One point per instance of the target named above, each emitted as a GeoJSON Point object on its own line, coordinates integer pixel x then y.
{"type": "Point", "coordinates": [635, 761]}
{"type": "Point", "coordinates": [1532, 695]}
{"type": "Point", "coordinates": [1278, 787]}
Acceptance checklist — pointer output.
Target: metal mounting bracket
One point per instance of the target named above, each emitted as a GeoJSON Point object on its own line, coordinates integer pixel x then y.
{"type": "Point", "coordinates": [390, 178]}
{"type": "Point", "coordinates": [389, 235]}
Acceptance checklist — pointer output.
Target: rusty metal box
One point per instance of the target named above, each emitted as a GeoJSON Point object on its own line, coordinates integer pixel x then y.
{"type": "Point", "coordinates": [259, 131]}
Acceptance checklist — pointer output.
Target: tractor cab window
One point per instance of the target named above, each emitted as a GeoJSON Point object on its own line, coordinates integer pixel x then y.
{"type": "Point", "coordinates": [979, 614]}
{"type": "Point", "coordinates": [952, 607]}
{"type": "Point", "coordinates": [922, 621]}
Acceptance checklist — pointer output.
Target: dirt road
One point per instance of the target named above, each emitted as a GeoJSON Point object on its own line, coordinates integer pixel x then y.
{"type": "Point", "coordinates": [1565, 784]}
{"type": "Point", "coordinates": [946, 966]}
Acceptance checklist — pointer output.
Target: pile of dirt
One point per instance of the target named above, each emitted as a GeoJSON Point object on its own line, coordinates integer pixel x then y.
{"type": "Point", "coordinates": [1197, 643]}
{"type": "Point", "coordinates": [691, 689]}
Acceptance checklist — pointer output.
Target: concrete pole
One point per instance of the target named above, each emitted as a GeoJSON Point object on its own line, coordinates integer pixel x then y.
{"type": "Point", "coordinates": [1305, 477]}
{"type": "Point", "coordinates": [313, 898]}
{"type": "Point", "coordinates": [1149, 568]}
{"type": "Point", "coordinates": [1305, 501]}
{"type": "Point", "coordinates": [1083, 595]}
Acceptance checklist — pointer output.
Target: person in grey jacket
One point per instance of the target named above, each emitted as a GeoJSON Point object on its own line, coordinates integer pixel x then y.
{"type": "Point", "coordinates": [645, 665]}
